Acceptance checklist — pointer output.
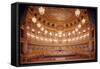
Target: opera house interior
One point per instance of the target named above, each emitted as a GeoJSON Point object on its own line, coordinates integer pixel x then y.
{"type": "Point", "coordinates": [55, 34]}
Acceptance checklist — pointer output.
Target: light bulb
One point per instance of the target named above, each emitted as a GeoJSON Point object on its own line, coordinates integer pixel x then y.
{"type": "Point", "coordinates": [60, 35]}
{"type": "Point", "coordinates": [64, 40]}
{"type": "Point", "coordinates": [38, 32]}
{"type": "Point", "coordinates": [79, 26]}
{"type": "Point", "coordinates": [73, 32]}
{"type": "Point", "coordinates": [45, 31]}
{"type": "Point", "coordinates": [81, 37]}
{"type": "Point", "coordinates": [88, 28]}
{"type": "Point", "coordinates": [46, 39]}
{"type": "Point", "coordinates": [37, 37]}
{"type": "Point", "coordinates": [56, 34]}
{"type": "Point", "coordinates": [83, 20]}
{"type": "Point", "coordinates": [84, 30]}
{"type": "Point", "coordinates": [33, 30]}
{"type": "Point", "coordinates": [76, 29]}
{"type": "Point", "coordinates": [28, 34]}
{"type": "Point", "coordinates": [63, 34]}
{"type": "Point", "coordinates": [60, 32]}
{"type": "Point", "coordinates": [50, 33]}
{"type": "Point", "coordinates": [38, 25]}
{"type": "Point", "coordinates": [42, 29]}
{"type": "Point", "coordinates": [79, 32]}
{"type": "Point", "coordinates": [69, 34]}
{"type": "Point", "coordinates": [73, 39]}
{"type": "Point", "coordinates": [34, 20]}
{"type": "Point", "coordinates": [55, 40]}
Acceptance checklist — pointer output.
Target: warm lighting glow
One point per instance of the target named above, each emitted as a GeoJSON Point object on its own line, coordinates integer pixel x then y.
{"type": "Point", "coordinates": [33, 30]}
{"type": "Point", "coordinates": [64, 40]}
{"type": "Point", "coordinates": [60, 35]}
{"type": "Point", "coordinates": [38, 32]}
{"type": "Point", "coordinates": [37, 37]}
{"type": "Point", "coordinates": [83, 21]}
{"type": "Point", "coordinates": [76, 29]}
{"type": "Point", "coordinates": [88, 28]}
{"type": "Point", "coordinates": [69, 39]}
{"type": "Point", "coordinates": [81, 37]}
{"type": "Point", "coordinates": [63, 34]}
{"type": "Point", "coordinates": [79, 32]}
{"type": "Point", "coordinates": [32, 36]}
{"type": "Point", "coordinates": [84, 30]}
{"type": "Point", "coordinates": [50, 33]}
{"type": "Point", "coordinates": [38, 25]}
{"type": "Point", "coordinates": [45, 31]}
{"type": "Point", "coordinates": [46, 39]}
{"type": "Point", "coordinates": [69, 34]}
{"type": "Point", "coordinates": [56, 34]}
{"type": "Point", "coordinates": [60, 32]}
{"type": "Point", "coordinates": [42, 29]}
{"type": "Point", "coordinates": [73, 39]}
{"type": "Point", "coordinates": [84, 35]}
{"type": "Point", "coordinates": [41, 10]}
{"type": "Point", "coordinates": [28, 34]}
{"type": "Point", "coordinates": [55, 40]}
{"type": "Point", "coordinates": [77, 12]}
{"type": "Point", "coordinates": [77, 38]}
{"type": "Point", "coordinates": [34, 20]}
{"type": "Point", "coordinates": [73, 32]}
{"type": "Point", "coordinates": [79, 26]}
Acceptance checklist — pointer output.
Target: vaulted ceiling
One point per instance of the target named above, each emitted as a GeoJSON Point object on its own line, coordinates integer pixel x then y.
{"type": "Point", "coordinates": [54, 24]}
